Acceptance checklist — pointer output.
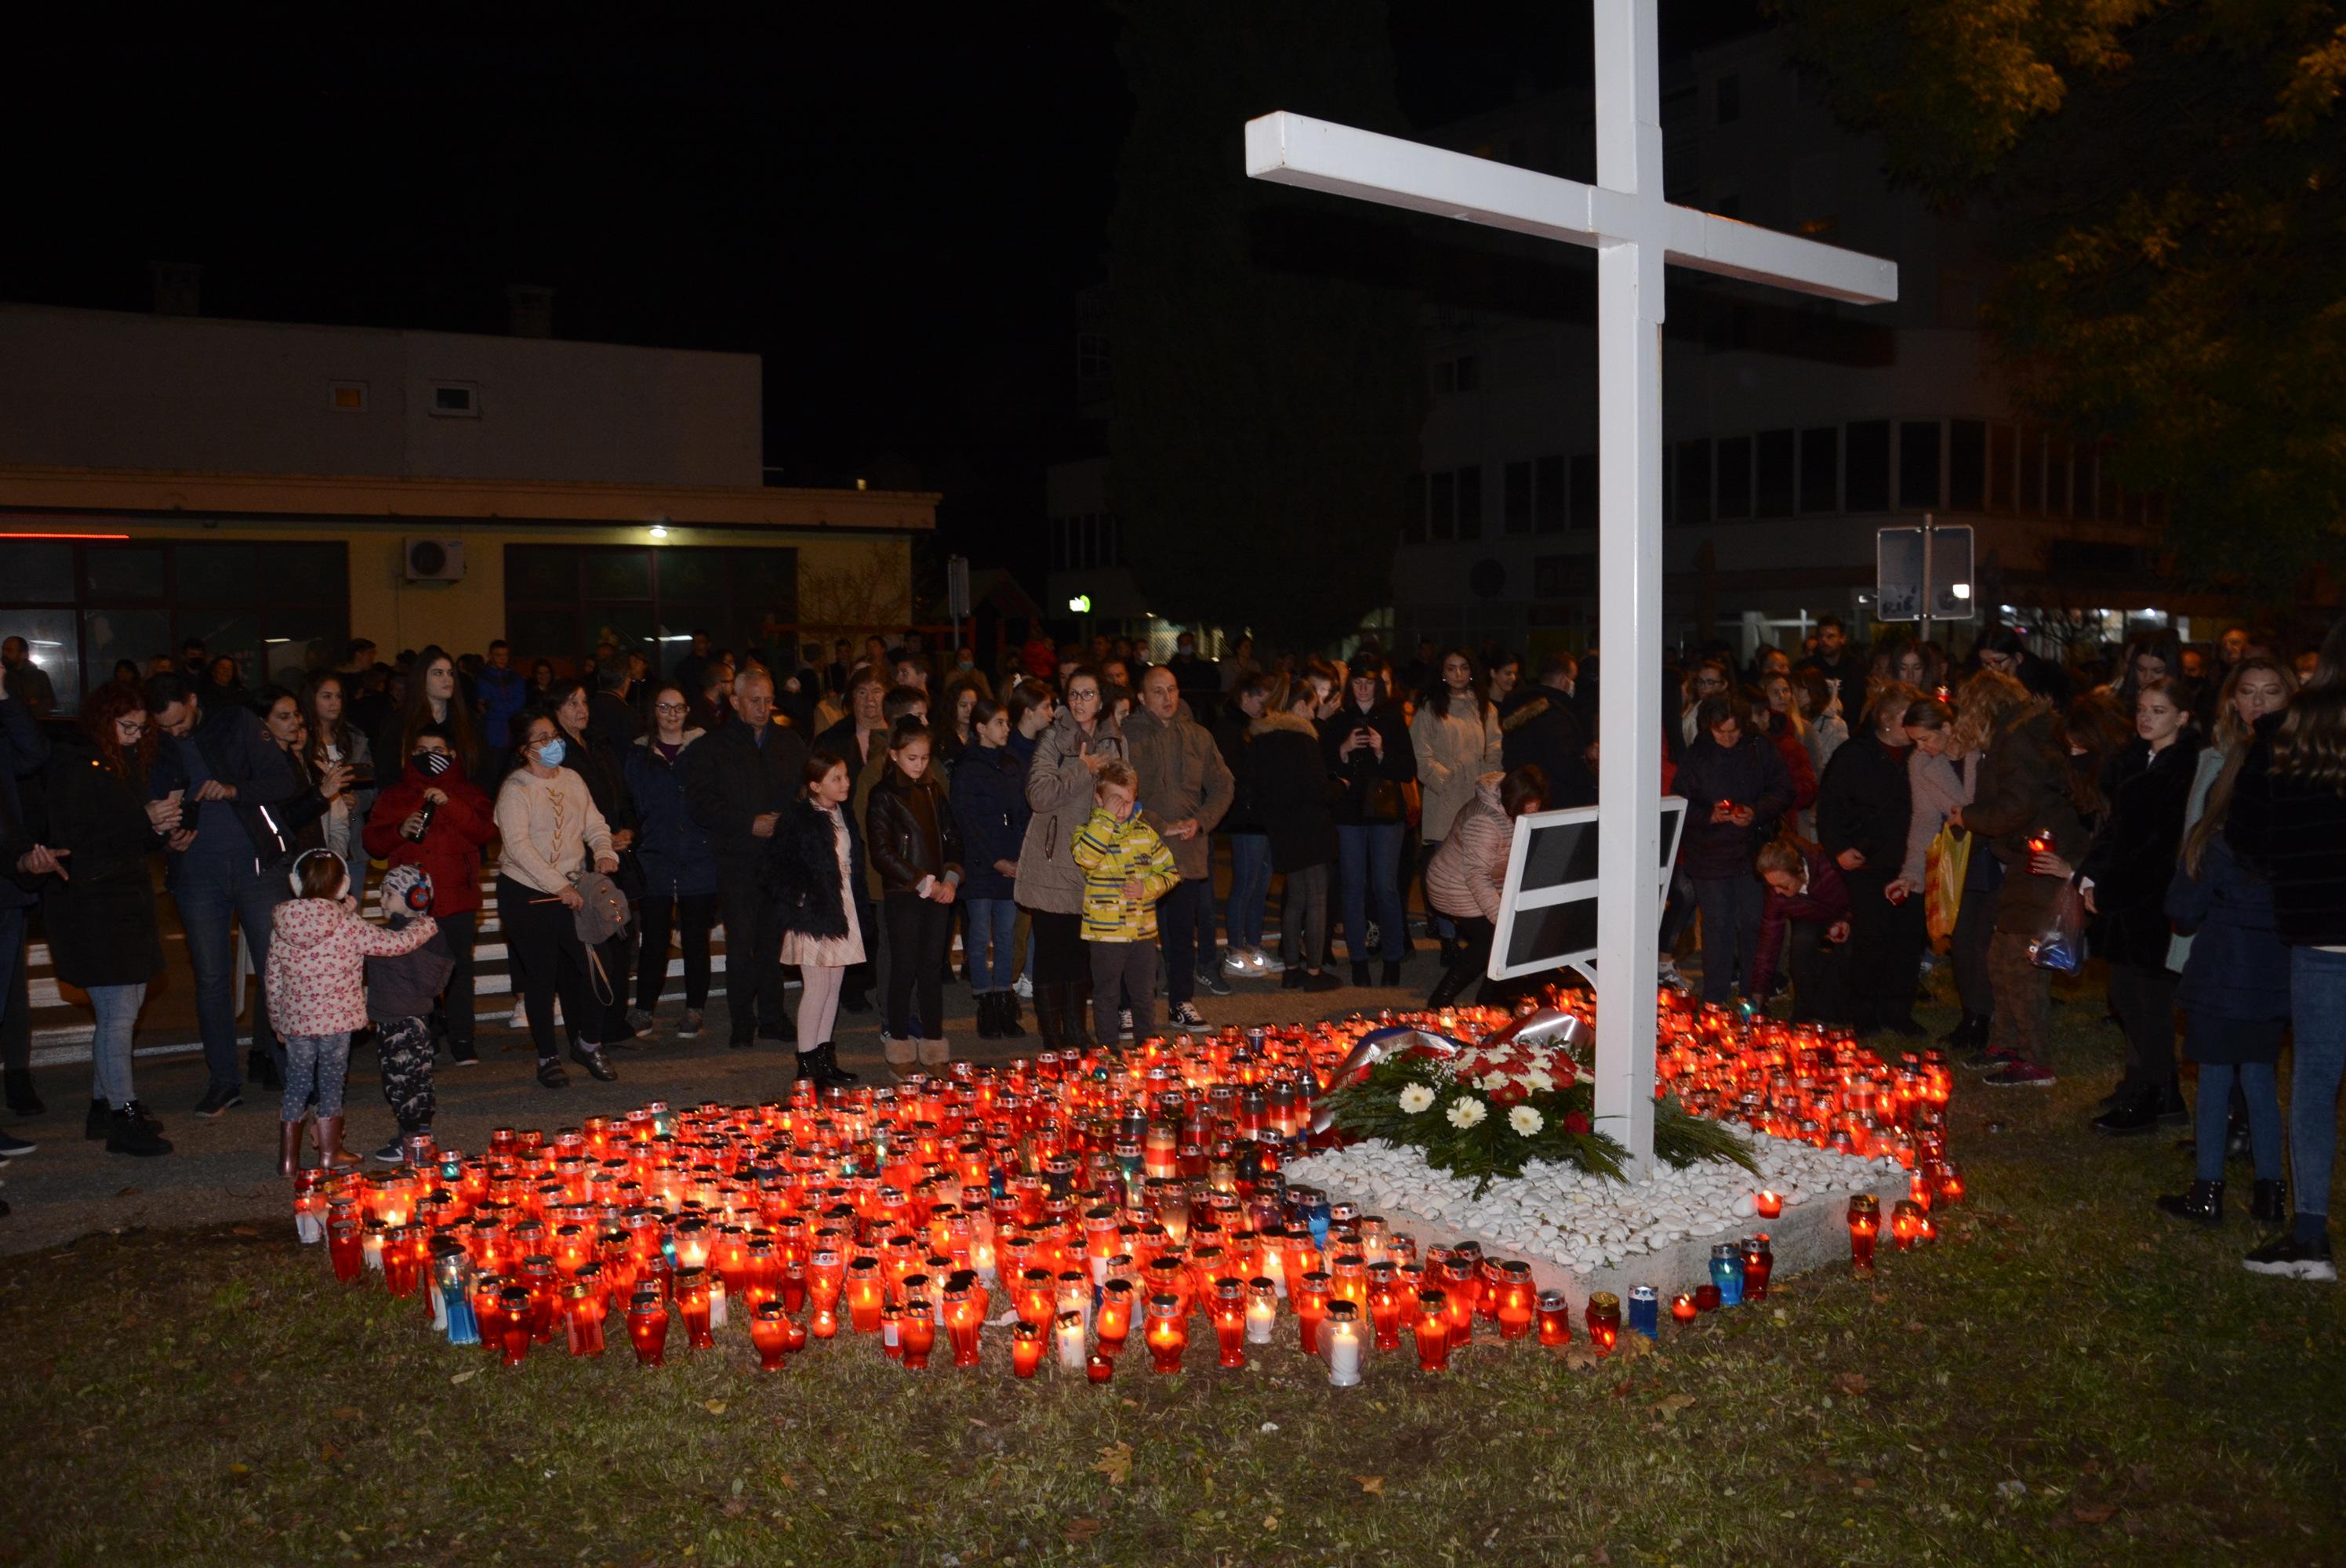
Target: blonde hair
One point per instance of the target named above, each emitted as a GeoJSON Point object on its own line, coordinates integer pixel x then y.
{"type": "Point", "coordinates": [1985, 707]}
{"type": "Point", "coordinates": [1115, 772]}
{"type": "Point", "coordinates": [1779, 855]}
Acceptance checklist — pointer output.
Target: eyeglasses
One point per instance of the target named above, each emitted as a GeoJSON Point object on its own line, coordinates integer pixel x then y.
{"type": "Point", "coordinates": [129, 729]}
{"type": "Point", "coordinates": [668, 708]}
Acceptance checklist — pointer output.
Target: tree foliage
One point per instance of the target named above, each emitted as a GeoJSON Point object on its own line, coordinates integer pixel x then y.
{"type": "Point", "coordinates": [1266, 418]}
{"type": "Point", "coordinates": [2169, 184]}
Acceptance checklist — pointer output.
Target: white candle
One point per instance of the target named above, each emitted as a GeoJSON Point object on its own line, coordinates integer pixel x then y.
{"type": "Point", "coordinates": [1262, 1316]}
{"type": "Point", "coordinates": [1073, 1355]}
{"type": "Point", "coordinates": [1343, 1353]}
{"type": "Point", "coordinates": [716, 1301]}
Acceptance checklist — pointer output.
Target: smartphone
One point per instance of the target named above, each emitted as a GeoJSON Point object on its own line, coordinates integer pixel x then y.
{"type": "Point", "coordinates": [363, 776]}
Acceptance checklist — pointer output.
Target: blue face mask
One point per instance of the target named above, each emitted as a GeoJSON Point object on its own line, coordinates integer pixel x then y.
{"type": "Point", "coordinates": [550, 755]}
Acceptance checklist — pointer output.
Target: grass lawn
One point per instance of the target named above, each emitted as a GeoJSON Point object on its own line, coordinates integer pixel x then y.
{"type": "Point", "coordinates": [2068, 1378]}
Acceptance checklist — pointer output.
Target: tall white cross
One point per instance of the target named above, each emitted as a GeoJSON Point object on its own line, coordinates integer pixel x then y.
{"type": "Point", "coordinates": [1634, 231]}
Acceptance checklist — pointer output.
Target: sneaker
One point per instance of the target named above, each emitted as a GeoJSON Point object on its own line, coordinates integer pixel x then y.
{"type": "Point", "coordinates": [1123, 1023]}
{"type": "Point", "coordinates": [520, 1019]}
{"type": "Point", "coordinates": [639, 1021]}
{"type": "Point", "coordinates": [2019, 1075]}
{"type": "Point", "coordinates": [1237, 964]}
{"type": "Point", "coordinates": [2286, 1257]}
{"type": "Point", "coordinates": [551, 1076]}
{"type": "Point", "coordinates": [1187, 1016]}
{"type": "Point", "coordinates": [691, 1028]}
{"type": "Point", "coordinates": [391, 1153]}
{"type": "Point", "coordinates": [1024, 987]}
{"type": "Point", "coordinates": [126, 1134]}
{"type": "Point", "coordinates": [1265, 962]}
{"type": "Point", "coordinates": [1212, 981]}
{"type": "Point", "coordinates": [1321, 980]}
{"type": "Point", "coordinates": [462, 1054]}
{"type": "Point", "coordinates": [214, 1101]}
{"type": "Point", "coordinates": [1991, 1059]}
{"type": "Point", "coordinates": [14, 1148]}
{"type": "Point", "coordinates": [1667, 974]}
{"type": "Point", "coordinates": [590, 1057]}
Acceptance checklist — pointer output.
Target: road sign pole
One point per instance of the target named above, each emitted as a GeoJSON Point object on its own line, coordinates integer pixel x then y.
{"type": "Point", "coordinates": [1929, 582]}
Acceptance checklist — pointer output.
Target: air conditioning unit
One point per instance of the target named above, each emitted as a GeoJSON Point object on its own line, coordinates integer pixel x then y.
{"type": "Point", "coordinates": [435, 560]}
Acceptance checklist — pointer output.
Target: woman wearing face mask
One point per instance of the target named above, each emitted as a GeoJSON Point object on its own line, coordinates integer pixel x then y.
{"type": "Point", "coordinates": [552, 832]}
{"type": "Point", "coordinates": [2125, 879]}
{"type": "Point", "coordinates": [433, 699]}
{"type": "Point", "coordinates": [1078, 741]}
{"type": "Point", "coordinates": [916, 847]}
{"type": "Point", "coordinates": [333, 741]}
{"type": "Point", "coordinates": [435, 818]}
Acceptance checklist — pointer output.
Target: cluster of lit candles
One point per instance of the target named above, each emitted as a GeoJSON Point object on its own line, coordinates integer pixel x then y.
{"type": "Point", "coordinates": [1084, 1198]}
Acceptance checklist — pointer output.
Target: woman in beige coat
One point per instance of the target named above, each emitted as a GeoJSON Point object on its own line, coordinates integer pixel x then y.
{"type": "Point", "coordinates": [1068, 755]}
{"type": "Point", "coordinates": [1458, 739]}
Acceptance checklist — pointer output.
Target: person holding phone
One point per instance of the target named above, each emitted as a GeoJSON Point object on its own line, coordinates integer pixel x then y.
{"type": "Point", "coordinates": [1736, 790]}
{"type": "Point", "coordinates": [1366, 746]}
{"type": "Point", "coordinates": [331, 740]}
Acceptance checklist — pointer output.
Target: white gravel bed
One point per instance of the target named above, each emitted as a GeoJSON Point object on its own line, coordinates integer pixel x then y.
{"type": "Point", "coordinates": [1582, 1221]}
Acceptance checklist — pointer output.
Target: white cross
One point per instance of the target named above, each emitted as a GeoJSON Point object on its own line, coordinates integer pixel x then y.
{"type": "Point", "coordinates": [1633, 230]}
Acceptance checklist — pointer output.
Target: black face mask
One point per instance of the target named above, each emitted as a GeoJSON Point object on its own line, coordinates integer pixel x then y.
{"type": "Point", "coordinates": [432, 764]}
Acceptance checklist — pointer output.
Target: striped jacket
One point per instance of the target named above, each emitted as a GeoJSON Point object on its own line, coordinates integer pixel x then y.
{"type": "Point", "coordinates": [1111, 853]}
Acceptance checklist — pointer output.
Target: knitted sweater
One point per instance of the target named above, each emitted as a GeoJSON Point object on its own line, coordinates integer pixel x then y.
{"type": "Point", "coordinates": [548, 826]}
{"type": "Point", "coordinates": [1112, 852]}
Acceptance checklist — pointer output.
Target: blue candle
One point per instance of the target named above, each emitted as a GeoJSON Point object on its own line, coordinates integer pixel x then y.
{"type": "Point", "coordinates": [1726, 1273]}
{"type": "Point", "coordinates": [1646, 1311]}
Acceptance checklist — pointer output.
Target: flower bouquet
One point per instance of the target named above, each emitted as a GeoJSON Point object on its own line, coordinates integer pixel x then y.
{"type": "Point", "coordinates": [1495, 1108]}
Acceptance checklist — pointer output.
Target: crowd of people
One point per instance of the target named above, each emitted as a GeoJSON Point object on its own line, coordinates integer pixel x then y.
{"type": "Point", "coordinates": [842, 811]}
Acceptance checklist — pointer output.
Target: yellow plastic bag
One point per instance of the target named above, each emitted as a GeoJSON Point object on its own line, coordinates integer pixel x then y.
{"type": "Point", "coordinates": [1944, 865]}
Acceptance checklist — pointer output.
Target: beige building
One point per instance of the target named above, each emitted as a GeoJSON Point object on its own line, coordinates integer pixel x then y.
{"type": "Point", "coordinates": [275, 490]}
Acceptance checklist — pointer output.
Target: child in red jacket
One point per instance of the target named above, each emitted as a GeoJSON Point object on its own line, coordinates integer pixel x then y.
{"type": "Point", "coordinates": [437, 820]}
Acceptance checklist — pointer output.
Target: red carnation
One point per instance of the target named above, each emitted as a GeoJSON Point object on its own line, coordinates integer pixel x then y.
{"type": "Point", "coordinates": [1577, 1123]}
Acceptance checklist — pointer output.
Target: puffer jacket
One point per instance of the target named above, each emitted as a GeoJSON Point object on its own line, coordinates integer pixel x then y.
{"type": "Point", "coordinates": [450, 852]}
{"type": "Point", "coordinates": [2239, 966]}
{"type": "Point", "coordinates": [909, 826]}
{"type": "Point", "coordinates": [989, 807]}
{"type": "Point", "coordinates": [1463, 878]}
{"type": "Point", "coordinates": [1112, 852]}
{"type": "Point", "coordinates": [317, 964]}
{"type": "Point", "coordinates": [1290, 792]}
{"type": "Point", "coordinates": [1453, 752]}
{"type": "Point", "coordinates": [1752, 775]}
{"type": "Point", "coordinates": [678, 859]}
{"type": "Point", "coordinates": [801, 872]}
{"type": "Point", "coordinates": [2295, 833]}
{"type": "Point", "coordinates": [1182, 778]}
{"type": "Point", "coordinates": [1060, 789]}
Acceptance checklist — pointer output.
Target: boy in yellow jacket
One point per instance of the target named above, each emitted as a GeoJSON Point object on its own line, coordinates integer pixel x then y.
{"type": "Point", "coordinates": [1127, 869]}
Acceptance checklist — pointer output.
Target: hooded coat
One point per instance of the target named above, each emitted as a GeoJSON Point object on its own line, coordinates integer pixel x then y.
{"type": "Point", "coordinates": [1059, 788]}
{"type": "Point", "coordinates": [1290, 776]}
{"type": "Point", "coordinates": [317, 964]}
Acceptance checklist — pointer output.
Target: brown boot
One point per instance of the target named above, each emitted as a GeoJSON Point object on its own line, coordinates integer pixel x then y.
{"type": "Point", "coordinates": [289, 1148]}
{"type": "Point", "coordinates": [934, 1053]}
{"type": "Point", "coordinates": [331, 1153]}
{"type": "Point", "coordinates": [901, 1055]}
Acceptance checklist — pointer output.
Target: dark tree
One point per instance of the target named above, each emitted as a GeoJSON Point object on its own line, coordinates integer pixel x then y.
{"type": "Point", "coordinates": [1267, 413]}
{"type": "Point", "coordinates": [2169, 182]}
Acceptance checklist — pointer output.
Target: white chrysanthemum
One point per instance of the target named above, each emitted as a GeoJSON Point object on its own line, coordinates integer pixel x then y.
{"type": "Point", "coordinates": [1466, 1111]}
{"type": "Point", "coordinates": [1525, 1121]}
{"type": "Point", "coordinates": [1494, 1081]}
{"type": "Point", "coordinates": [1540, 1079]}
{"type": "Point", "coordinates": [1415, 1098]}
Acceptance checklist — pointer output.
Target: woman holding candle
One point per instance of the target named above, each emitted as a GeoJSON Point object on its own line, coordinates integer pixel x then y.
{"type": "Point", "coordinates": [2124, 878]}
{"type": "Point", "coordinates": [1070, 751]}
{"type": "Point", "coordinates": [916, 848]}
{"type": "Point", "coordinates": [1736, 790]}
{"type": "Point", "coordinates": [437, 820]}
{"type": "Point", "coordinates": [316, 991]}
{"type": "Point", "coordinates": [2288, 820]}
{"type": "Point", "coordinates": [1863, 809]}
{"type": "Point", "coordinates": [814, 874]}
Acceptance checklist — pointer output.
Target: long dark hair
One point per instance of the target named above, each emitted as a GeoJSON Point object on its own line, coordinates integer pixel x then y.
{"type": "Point", "coordinates": [107, 704]}
{"type": "Point", "coordinates": [1478, 686]}
{"type": "Point", "coordinates": [2310, 744]}
{"type": "Point", "coordinates": [321, 735]}
{"type": "Point", "coordinates": [416, 712]}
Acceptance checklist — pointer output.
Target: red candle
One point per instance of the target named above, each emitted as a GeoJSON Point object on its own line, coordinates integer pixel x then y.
{"type": "Point", "coordinates": [1115, 1317]}
{"type": "Point", "coordinates": [1167, 1332]}
{"type": "Point", "coordinates": [582, 1314]}
{"type": "Point", "coordinates": [514, 1306]}
{"type": "Point", "coordinates": [1310, 1296]}
{"type": "Point", "coordinates": [1864, 1227]}
{"type": "Point", "coordinates": [1432, 1330]}
{"type": "Point", "coordinates": [1229, 1321]}
{"type": "Point", "coordinates": [1555, 1319]}
{"type": "Point", "coordinates": [1772, 1205]}
{"type": "Point", "coordinates": [692, 1305]}
{"type": "Point", "coordinates": [1604, 1319]}
{"type": "Point", "coordinates": [866, 1293]}
{"type": "Point", "coordinates": [963, 1318]}
{"type": "Point", "coordinates": [1099, 1369]}
{"type": "Point", "coordinates": [1682, 1308]}
{"type": "Point", "coordinates": [769, 1330]}
{"type": "Point", "coordinates": [1025, 1349]}
{"type": "Point", "coordinates": [646, 1328]}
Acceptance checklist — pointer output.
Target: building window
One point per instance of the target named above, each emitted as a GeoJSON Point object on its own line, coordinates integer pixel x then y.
{"type": "Point", "coordinates": [1091, 356]}
{"type": "Point", "coordinates": [455, 400]}
{"type": "Point", "coordinates": [347, 397]}
{"type": "Point", "coordinates": [1866, 482]}
{"type": "Point", "coordinates": [1412, 510]}
{"type": "Point", "coordinates": [1773, 486]}
{"type": "Point", "coordinates": [1729, 93]}
{"type": "Point", "coordinates": [1694, 482]}
{"type": "Point", "coordinates": [1551, 506]}
{"type": "Point", "coordinates": [1734, 477]}
{"type": "Point", "coordinates": [1966, 464]}
{"type": "Point", "coordinates": [1820, 469]}
{"type": "Point", "coordinates": [1461, 374]}
{"type": "Point", "coordinates": [1917, 463]}
{"type": "Point", "coordinates": [1556, 577]}
{"type": "Point", "coordinates": [562, 600]}
{"type": "Point", "coordinates": [2031, 500]}
{"type": "Point", "coordinates": [1517, 501]}
{"type": "Point", "coordinates": [1470, 504]}
{"type": "Point", "coordinates": [1584, 504]}
{"type": "Point", "coordinates": [2000, 468]}
{"type": "Point", "coordinates": [280, 609]}
{"type": "Point", "coordinates": [1441, 510]}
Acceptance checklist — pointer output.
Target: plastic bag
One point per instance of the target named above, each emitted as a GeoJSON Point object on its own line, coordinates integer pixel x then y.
{"type": "Point", "coordinates": [2060, 942]}
{"type": "Point", "coordinates": [1944, 864]}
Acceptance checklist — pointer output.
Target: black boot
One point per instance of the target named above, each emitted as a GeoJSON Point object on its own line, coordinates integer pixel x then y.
{"type": "Point", "coordinates": [1007, 1019]}
{"type": "Point", "coordinates": [1972, 1030]}
{"type": "Point", "coordinates": [1050, 1009]}
{"type": "Point", "coordinates": [826, 1070]}
{"type": "Point", "coordinates": [2203, 1204]}
{"type": "Point", "coordinates": [22, 1100]}
{"type": "Point", "coordinates": [99, 1121]}
{"type": "Point", "coordinates": [2135, 1113]}
{"type": "Point", "coordinates": [1361, 974]}
{"type": "Point", "coordinates": [1076, 1026]}
{"type": "Point", "coordinates": [1392, 972]}
{"type": "Point", "coordinates": [2173, 1109]}
{"type": "Point", "coordinates": [989, 1013]}
{"type": "Point", "coordinates": [260, 1069]}
{"type": "Point", "coordinates": [130, 1134]}
{"type": "Point", "coordinates": [2268, 1203]}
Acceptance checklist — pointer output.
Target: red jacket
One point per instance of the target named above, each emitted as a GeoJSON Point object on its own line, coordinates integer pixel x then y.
{"type": "Point", "coordinates": [1796, 762]}
{"type": "Point", "coordinates": [449, 853]}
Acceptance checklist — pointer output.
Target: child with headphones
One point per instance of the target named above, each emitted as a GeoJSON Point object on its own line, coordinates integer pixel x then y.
{"type": "Point", "coordinates": [400, 994]}
{"type": "Point", "coordinates": [317, 995]}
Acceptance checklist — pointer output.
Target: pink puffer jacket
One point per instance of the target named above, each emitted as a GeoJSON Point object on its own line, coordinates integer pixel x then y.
{"type": "Point", "coordinates": [1463, 878]}
{"type": "Point", "coordinates": [316, 980]}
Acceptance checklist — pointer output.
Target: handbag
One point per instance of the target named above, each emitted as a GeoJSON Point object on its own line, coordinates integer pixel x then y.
{"type": "Point", "coordinates": [601, 916]}
{"type": "Point", "coordinates": [1945, 862]}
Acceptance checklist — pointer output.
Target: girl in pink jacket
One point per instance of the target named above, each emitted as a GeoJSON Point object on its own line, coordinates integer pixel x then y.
{"type": "Point", "coordinates": [316, 985]}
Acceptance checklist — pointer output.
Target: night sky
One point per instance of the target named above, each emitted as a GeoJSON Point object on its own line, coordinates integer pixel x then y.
{"type": "Point", "coordinates": [897, 216]}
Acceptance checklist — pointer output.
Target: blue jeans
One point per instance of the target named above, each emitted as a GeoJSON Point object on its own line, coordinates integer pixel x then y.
{"type": "Point", "coordinates": [2259, 1087]}
{"type": "Point", "coordinates": [1177, 923]}
{"type": "Point", "coordinates": [1250, 888]}
{"type": "Point", "coordinates": [116, 1007]}
{"type": "Point", "coordinates": [208, 895]}
{"type": "Point", "coordinates": [1368, 857]}
{"type": "Point", "coordinates": [991, 923]}
{"type": "Point", "coordinates": [1730, 909]}
{"type": "Point", "coordinates": [2317, 995]}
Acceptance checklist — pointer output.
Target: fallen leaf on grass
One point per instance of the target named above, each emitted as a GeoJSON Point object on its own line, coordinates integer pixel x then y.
{"type": "Point", "coordinates": [244, 1230]}
{"type": "Point", "coordinates": [1580, 1358]}
{"type": "Point", "coordinates": [1675, 1404]}
{"type": "Point", "coordinates": [1372, 1484]}
{"type": "Point", "coordinates": [1079, 1530]}
{"type": "Point", "coordinates": [1863, 1483]}
{"type": "Point", "coordinates": [1116, 1463]}
{"type": "Point", "coordinates": [1270, 1522]}
{"type": "Point", "coordinates": [349, 1413]}
{"type": "Point", "coordinates": [465, 1377]}
{"type": "Point", "coordinates": [1850, 1382]}
{"type": "Point", "coordinates": [239, 1469]}
{"type": "Point", "coordinates": [329, 1453]}
{"type": "Point", "coordinates": [714, 1406]}
{"type": "Point", "coordinates": [2095, 1512]}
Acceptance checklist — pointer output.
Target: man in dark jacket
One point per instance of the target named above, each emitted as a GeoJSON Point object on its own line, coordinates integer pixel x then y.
{"type": "Point", "coordinates": [1542, 729]}
{"type": "Point", "coordinates": [611, 719]}
{"type": "Point", "coordinates": [23, 751]}
{"type": "Point", "coordinates": [736, 783]}
{"type": "Point", "coordinates": [224, 864]}
{"type": "Point", "coordinates": [1736, 790]}
{"type": "Point", "coordinates": [1836, 659]}
{"type": "Point", "coordinates": [1863, 807]}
